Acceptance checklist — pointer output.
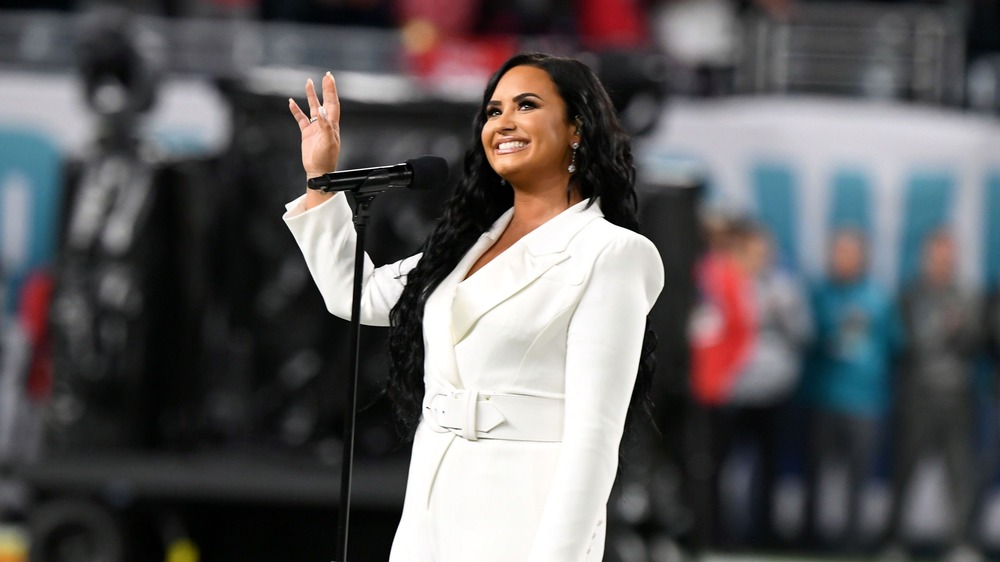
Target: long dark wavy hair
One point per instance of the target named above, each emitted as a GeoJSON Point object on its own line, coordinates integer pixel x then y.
{"type": "Point", "coordinates": [604, 169]}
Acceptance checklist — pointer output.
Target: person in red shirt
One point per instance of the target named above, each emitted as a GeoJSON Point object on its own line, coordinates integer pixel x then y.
{"type": "Point", "coordinates": [721, 337]}
{"type": "Point", "coordinates": [723, 325]}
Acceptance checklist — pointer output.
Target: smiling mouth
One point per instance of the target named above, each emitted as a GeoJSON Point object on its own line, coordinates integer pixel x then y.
{"type": "Point", "coordinates": [511, 146]}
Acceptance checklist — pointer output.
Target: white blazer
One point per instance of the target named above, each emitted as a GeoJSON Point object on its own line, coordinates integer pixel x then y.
{"type": "Point", "coordinates": [556, 320]}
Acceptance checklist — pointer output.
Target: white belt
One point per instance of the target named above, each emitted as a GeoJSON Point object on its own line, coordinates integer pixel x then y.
{"type": "Point", "coordinates": [473, 415]}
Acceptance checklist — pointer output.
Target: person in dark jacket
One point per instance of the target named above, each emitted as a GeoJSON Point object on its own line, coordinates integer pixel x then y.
{"type": "Point", "coordinates": [935, 402]}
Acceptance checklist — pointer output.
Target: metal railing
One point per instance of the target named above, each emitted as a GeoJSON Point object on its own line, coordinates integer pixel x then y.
{"type": "Point", "coordinates": [892, 51]}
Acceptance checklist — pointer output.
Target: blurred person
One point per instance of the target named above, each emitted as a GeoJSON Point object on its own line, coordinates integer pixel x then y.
{"type": "Point", "coordinates": [782, 329]}
{"type": "Point", "coordinates": [25, 372]}
{"type": "Point", "coordinates": [783, 324]}
{"type": "Point", "coordinates": [847, 381]}
{"type": "Point", "coordinates": [721, 335]}
{"type": "Point", "coordinates": [722, 324]}
{"type": "Point", "coordinates": [748, 334]}
{"type": "Point", "coordinates": [935, 401]}
{"type": "Point", "coordinates": [519, 337]}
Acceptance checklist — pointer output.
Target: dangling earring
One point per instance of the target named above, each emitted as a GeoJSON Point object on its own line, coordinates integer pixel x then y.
{"type": "Point", "coordinates": [572, 162]}
{"type": "Point", "coordinates": [503, 181]}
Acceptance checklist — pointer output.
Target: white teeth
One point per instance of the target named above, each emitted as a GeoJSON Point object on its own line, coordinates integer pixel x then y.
{"type": "Point", "coordinates": [512, 144]}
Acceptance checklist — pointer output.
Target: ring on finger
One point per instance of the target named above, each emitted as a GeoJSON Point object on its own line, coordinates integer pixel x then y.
{"type": "Point", "coordinates": [313, 119]}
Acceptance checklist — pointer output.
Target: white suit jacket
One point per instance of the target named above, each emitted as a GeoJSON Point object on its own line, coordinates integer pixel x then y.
{"type": "Point", "coordinates": [559, 314]}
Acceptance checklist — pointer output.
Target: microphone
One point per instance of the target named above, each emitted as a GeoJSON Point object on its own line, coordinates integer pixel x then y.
{"type": "Point", "coordinates": [422, 172]}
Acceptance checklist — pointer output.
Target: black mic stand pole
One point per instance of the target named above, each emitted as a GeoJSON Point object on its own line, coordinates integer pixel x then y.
{"type": "Point", "coordinates": [361, 216]}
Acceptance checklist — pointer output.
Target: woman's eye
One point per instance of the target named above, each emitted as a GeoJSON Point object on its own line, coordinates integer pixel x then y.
{"type": "Point", "coordinates": [492, 112]}
{"type": "Point", "coordinates": [527, 105]}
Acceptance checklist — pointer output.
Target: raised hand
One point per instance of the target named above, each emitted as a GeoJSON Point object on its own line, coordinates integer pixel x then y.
{"type": "Point", "coordinates": [321, 129]}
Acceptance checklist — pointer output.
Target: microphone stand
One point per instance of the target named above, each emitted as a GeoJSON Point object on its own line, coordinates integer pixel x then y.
{"type": "Point", "coordinates": [361, 216]}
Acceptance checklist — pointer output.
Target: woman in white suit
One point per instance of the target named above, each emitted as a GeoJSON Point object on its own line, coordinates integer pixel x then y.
{"type": "Point", "coordinates": [518, 333]}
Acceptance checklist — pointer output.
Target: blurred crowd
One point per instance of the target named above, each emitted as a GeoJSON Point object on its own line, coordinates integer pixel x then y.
{"type": "Point", "coordinates": [862, 383]}
{"type": "Point", "coordinates": [597, 24]}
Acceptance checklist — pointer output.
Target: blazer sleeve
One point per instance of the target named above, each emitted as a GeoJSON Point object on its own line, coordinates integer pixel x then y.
{"type": "Point", "coordinates": [604, 342]}
{"type": "Point", "coordinates": [327, 238]}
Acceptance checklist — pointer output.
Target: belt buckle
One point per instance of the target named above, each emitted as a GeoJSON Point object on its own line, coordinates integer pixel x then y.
{"type": "Point", "coordinates": [461, 422]}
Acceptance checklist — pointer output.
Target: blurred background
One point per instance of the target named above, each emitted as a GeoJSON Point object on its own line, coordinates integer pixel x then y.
{"type": "Point", "coordinates": [822, 179]}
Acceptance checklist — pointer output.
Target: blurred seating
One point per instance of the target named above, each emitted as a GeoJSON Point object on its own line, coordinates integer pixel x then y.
{"type": "Point", "coordinates": [875, 50]}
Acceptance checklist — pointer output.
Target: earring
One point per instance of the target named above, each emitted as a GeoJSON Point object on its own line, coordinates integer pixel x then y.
{"type": "Point", "coordinates": [503, 181]}
{"type": "Point", "coordinates": [572, 162]}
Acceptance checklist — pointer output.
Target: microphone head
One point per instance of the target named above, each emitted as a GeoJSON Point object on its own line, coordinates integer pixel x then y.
{"type": "Point", "coordinates": [429, 172]}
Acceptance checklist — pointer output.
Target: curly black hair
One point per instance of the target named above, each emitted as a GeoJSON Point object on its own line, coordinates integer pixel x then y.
{"type": "Point", "coordinates": [604, 169]}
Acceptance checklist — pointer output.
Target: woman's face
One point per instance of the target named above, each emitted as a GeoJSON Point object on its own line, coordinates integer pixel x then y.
{"type": "Point", "coordinates": [527, 136]}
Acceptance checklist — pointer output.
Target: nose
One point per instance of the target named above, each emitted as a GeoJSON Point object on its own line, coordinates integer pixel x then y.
{"type": "Point", "coordinates": [504, 121]}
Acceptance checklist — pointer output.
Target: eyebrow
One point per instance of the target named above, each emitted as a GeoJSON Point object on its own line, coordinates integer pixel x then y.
{"type": "Point", "coordinates": [517, 99]}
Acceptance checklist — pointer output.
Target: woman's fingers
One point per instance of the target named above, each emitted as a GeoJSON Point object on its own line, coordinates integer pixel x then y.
{"type": "Point", "coordinates": [323, 121]}
{"type": "Point", "coordinates": [297, 113]}
{"type": "Point", "coordinates": [331, 100]}
{"type": "Point", "coordinates": [328, 113]}
{"type": "Point", "coordinates": [313, 100]}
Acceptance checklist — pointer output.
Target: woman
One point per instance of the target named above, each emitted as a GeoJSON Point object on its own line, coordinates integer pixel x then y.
{"type": "Point", "coordinates": [517, 334]}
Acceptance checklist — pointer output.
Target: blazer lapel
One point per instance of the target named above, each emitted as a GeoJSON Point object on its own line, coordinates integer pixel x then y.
{"type": "Point", "coordinates": [515, 268]}
{"type": "Point", "coordinates": [438, 309]}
